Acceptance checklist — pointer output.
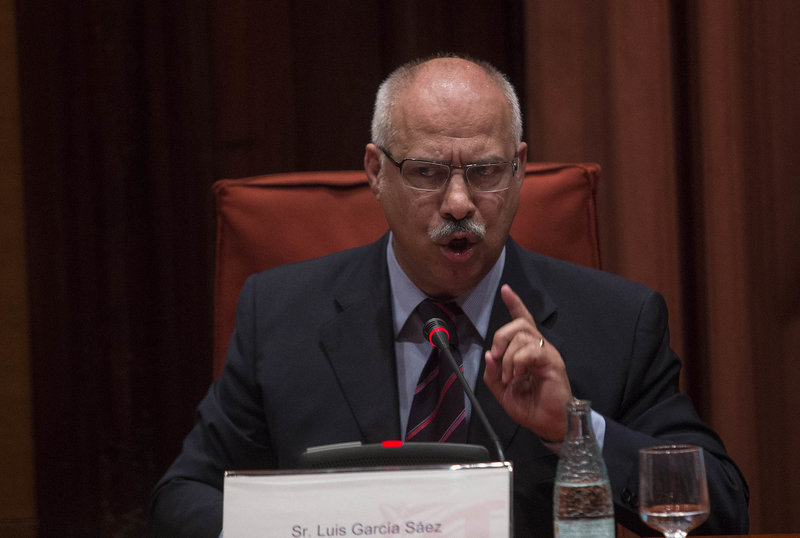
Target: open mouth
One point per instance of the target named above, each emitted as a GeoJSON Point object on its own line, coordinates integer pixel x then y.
{"type": "Point", "coordinates": [458, 249]}
{"type": "Point", "coordinates": [459, 245]}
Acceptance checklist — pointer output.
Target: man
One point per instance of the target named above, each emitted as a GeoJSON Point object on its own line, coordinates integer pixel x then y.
{"type": "Point", "coordinates": [330, 350]}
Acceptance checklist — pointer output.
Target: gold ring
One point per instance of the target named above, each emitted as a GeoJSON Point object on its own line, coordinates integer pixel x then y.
{"type": "Point", "coordinates": [541, 342]}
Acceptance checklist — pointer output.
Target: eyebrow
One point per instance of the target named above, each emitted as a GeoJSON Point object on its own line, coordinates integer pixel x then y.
{"type": "Point", "coordinates": [486, 160]}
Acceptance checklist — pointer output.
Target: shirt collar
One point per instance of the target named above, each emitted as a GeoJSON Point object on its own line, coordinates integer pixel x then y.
{"type": "Point", "coordinates": [476, 303]}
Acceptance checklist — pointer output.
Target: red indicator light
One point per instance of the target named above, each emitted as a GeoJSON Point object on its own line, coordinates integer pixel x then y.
{"type": "Point", "coordinates": [430, 337]}
{"type": "Point", "coordinates": [392, 444]}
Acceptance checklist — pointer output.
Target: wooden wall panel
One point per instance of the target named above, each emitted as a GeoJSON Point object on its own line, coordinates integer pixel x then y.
{"type": "Point", "coordinates": [17, 501]}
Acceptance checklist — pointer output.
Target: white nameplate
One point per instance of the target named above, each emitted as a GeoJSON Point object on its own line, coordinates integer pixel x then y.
{"type": "Point", "coordinates": [451, 500]}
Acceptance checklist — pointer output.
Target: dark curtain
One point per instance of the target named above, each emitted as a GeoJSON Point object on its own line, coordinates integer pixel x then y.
{"type": "Point", "coordinates": [295, 81]}
{"type": "Point", "coordinates": [117, 132]}
{"type": "Point", "coordinates": [131, 109]}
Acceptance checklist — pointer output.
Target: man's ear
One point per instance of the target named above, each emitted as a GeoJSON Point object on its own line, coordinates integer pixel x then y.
{"type": "Point", "coordinates": [372, 166]}
{"type": "Point", "coordinates": [522, 154]}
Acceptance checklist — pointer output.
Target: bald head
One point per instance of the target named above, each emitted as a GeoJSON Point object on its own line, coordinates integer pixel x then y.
{"type": "Point", "coordinates": [449, 81]}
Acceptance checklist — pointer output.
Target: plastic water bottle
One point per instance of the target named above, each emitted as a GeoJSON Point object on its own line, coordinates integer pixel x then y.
{"type": "Point", "coordinates": [582, 502]}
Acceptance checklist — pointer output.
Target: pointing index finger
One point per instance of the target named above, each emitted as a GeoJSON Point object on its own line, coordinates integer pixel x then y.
{"type": "Point", "coordinates": [515, 306]}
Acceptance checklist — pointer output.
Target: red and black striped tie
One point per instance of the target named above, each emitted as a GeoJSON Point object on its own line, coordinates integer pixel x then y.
{"type": "Point", "coordinates": [437, 411]}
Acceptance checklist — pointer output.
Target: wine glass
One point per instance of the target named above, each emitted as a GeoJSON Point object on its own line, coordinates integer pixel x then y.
{"type": "Point", "coordinates": [673, 492]}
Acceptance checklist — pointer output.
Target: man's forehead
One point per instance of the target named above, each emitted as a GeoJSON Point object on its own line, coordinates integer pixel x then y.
{"type": "Point", "coordinates": [450, 94]}
{"type": "Point", "coordinates": [452, 114]}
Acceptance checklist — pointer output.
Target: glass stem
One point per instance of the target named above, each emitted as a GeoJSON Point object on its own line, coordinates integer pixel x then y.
{"type": "Point", "coordinates": [676, 534]}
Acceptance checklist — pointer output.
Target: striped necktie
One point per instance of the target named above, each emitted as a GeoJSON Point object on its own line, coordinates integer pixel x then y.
{"type": "Point", "coordinates": [437, 411]}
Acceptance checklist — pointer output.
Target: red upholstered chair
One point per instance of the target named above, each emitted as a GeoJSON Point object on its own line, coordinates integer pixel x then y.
{"type": "Point", "coordinates": [272, 220]}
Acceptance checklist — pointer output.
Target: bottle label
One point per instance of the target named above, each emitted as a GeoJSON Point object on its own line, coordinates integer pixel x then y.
{"type": "Point", "coordinates": [584, 527]}
{"type": "Point", "coordinates": [583, 500]}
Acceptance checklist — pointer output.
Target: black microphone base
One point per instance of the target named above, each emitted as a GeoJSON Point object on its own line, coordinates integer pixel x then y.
{"type": "Point", "coordinates": [379, 455]}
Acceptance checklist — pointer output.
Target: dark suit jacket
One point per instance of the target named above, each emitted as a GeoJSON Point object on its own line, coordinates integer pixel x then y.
{"type": "Point", "coordinates": [312, 362]}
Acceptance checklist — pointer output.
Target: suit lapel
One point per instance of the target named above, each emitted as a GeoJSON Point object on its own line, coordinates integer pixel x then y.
{"type": "Point", "coordinates": [359, 343]}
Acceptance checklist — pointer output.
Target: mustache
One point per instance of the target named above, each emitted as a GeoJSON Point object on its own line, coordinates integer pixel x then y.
{"type": "Point", "coordinates": [452, 227]}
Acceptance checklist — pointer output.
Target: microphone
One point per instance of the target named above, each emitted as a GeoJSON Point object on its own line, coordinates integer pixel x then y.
{"type": "Point", "coordinates": [435, 331]}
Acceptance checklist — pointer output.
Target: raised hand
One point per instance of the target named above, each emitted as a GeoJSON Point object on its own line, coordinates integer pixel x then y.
{"type": "Point", "coordinates": [526, 374]}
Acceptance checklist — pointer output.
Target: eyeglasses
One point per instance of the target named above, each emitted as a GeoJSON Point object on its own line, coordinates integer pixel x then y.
{"type": "Point", "coordinates": [431, 176]}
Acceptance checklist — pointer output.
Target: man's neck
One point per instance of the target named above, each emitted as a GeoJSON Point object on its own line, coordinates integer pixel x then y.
{"type": "Point", "coordinates": [476, 303]}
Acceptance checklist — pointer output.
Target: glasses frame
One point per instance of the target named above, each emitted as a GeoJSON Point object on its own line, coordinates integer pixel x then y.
{"type": "Point", "coordinates": [451, 167]}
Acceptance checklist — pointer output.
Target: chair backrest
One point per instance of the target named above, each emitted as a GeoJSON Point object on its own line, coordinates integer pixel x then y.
{"type": "Point", "coordinates": [272, 220]}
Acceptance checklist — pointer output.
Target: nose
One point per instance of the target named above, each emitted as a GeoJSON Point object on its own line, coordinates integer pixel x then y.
{"type": "Point", "coordinates": [457, 202]}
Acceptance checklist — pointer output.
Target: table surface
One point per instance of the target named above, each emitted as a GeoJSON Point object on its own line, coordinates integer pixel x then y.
{"type": "Point", "coordinates": [622, 532]}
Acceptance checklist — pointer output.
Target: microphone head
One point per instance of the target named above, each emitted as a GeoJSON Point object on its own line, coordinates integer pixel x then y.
{"type": "Point", "coordinates": [435, 328]}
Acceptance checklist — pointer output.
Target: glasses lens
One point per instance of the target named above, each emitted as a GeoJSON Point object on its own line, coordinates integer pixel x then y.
{"type": "Point", "coordinates": [425, 175]}
{"type": "Point", "coordinates": [490, 177]}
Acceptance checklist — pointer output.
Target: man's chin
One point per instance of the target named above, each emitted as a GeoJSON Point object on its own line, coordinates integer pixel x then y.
{"type": "Point", "coordinates": [452, 282]}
